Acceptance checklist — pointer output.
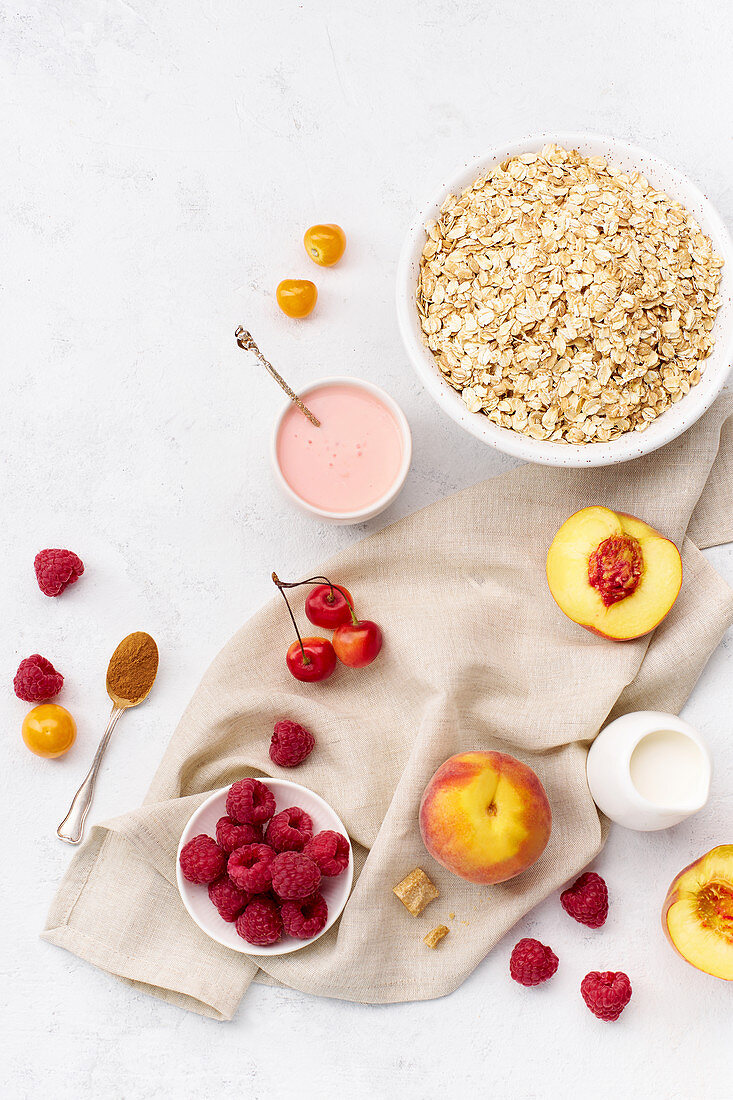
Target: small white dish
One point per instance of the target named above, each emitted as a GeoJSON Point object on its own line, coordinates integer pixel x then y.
{"type": "Point", "coordinates": [374, 509]}
{"type": "Point", "coordinates": [335, 890]}
{"type": "Point", "coordinates": [629, 788]}
{"type": "Point", "coordinates": [674, 420]}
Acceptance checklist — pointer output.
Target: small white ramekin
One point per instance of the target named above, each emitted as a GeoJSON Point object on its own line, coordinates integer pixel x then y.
{"type": "Point", "coordinates": [675, 419]}
{"type": "Point", "coordinates": [363, 514]}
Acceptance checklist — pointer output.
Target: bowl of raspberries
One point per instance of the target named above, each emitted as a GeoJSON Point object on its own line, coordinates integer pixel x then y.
{"type": "Point", "coordinates": [264, 866]}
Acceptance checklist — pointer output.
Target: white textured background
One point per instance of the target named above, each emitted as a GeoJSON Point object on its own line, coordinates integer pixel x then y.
{"type": "Point", "coordinates": [160, 163]}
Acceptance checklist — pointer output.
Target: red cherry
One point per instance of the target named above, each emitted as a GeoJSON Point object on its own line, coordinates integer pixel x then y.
{"type": "Point", "coordinates": [357, 643]}
{"type": "Point", "coordinates": [328, 606]}
{"type": "Point", "coordinates": [313, 659]}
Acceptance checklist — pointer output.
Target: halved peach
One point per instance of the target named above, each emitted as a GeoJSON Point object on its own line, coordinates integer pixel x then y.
{"type": "Point", "coordinates": [697, 915]}
{"type": "Point", "coordinates": [613, 573]}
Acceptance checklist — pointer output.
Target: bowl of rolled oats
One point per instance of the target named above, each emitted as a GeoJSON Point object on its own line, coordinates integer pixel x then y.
{"type": "Point", "coordinates": [563, 298]}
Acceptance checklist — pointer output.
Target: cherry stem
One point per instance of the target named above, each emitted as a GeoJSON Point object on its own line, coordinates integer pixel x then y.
{"type": "Point", "coordinates": [315, 580]}
{"type": "Point", "coordinates": [280, 586]}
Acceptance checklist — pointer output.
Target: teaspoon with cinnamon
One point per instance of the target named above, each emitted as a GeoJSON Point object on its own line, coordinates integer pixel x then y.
{"type": "Point", "coordinates": [130, 676]}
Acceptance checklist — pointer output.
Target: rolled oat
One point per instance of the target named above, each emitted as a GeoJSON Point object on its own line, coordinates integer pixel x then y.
{"type": "Point", "coordinates": [566, 299]}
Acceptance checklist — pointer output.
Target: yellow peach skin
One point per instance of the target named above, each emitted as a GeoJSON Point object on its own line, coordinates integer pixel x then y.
{"type": "Point", "coordinates": [612, 573]}
{"type": "Point", "coordinates": [485, 816]}
{"type": "Point", "coordinates": [697, 915]}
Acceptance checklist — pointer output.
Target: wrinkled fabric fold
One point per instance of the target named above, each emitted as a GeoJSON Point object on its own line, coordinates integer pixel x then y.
{"type": "Point", "coordinates": [476, 655]}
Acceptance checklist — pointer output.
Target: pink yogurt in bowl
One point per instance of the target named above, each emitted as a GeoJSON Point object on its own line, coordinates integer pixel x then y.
{"type": "Point", "coordinates": [353, 466]}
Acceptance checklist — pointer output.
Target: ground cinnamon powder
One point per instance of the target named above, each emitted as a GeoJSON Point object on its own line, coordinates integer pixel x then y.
{"type": "Point", "coordinates": [133, 667]}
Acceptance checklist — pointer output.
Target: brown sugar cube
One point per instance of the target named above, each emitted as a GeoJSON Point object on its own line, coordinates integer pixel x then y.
{"type": "Point", "coordinates": [433, 938]}
{"type": "Point", "coordinates": [416, 891]}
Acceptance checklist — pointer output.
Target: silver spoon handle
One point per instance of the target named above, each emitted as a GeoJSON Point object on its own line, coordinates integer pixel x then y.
{"type": "Point", "coordinates": [246, 343]}
{"type": "Point", "coordinates": [71, 828]}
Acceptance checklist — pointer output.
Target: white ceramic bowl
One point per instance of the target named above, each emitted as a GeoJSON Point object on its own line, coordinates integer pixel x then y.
{"type": "Point", "coordinates": [196, 898]}
{"type": "Point", "coordinates": [671, 423]}
{"type": "Point", "coordinates": [384, 501]}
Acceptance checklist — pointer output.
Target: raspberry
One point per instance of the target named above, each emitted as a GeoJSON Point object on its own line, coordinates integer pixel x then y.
{"type": "Point", "coordinates": [532, 962]}
{"type": "Point", "coordinates": [290, 744]}
{"type": "Point", "coordinates": [587, 900]}
{"type": "Point", "coordinates": [228, 898]}
{"type": "Point", "coordinates": [37, 680]}
{"type": "Point", "coordinates": [294, 876]}
{"type": "Point", "coordinates": [202, 860]}
{"type": "Point", "coordinates": [56, 570]}
{"type": "Point", "coordinates": [250, 867]}
{"type": "Point", "coordinates": [329, 851]}
{"type": "Point", "coordinates": [289, 830]}
{"type": "Point", "coordinates": [231, 836]}
{"type": "Point", "coordinates": [260, 923]}
{"type": "Point", "coordinates": [606, 994]}
{"type": "Point", "coordinates": [250, 802]}
{"type": "Point", "coordinates": [305, 919]}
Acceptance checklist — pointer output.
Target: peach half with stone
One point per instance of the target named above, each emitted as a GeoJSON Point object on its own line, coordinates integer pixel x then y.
{"type": "Point", "coordinates": [612, 573]}
{"type": "Point", "coordinates": [697, 916]}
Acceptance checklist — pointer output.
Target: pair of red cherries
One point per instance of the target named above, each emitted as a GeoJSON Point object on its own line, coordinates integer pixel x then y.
{"type": "Point", "coordinates": [356, 642]}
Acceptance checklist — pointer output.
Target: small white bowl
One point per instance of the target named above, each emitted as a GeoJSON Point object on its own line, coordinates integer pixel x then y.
{"type": "Point", "coordinates": [609, 772]}
{"type": "Point", "coordinates": [196, 898]}
{"type": "Point", "coordinates": [671, 423]}
{"type": "Point", "coordinates": [361, 516]}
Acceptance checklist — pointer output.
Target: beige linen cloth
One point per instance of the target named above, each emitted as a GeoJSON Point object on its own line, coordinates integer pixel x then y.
{"type": "Point", "coordinates": [476, 655]}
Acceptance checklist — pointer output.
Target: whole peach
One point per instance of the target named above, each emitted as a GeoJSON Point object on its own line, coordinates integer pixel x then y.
{"type": "Point", "coordinates": [485, 816]}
